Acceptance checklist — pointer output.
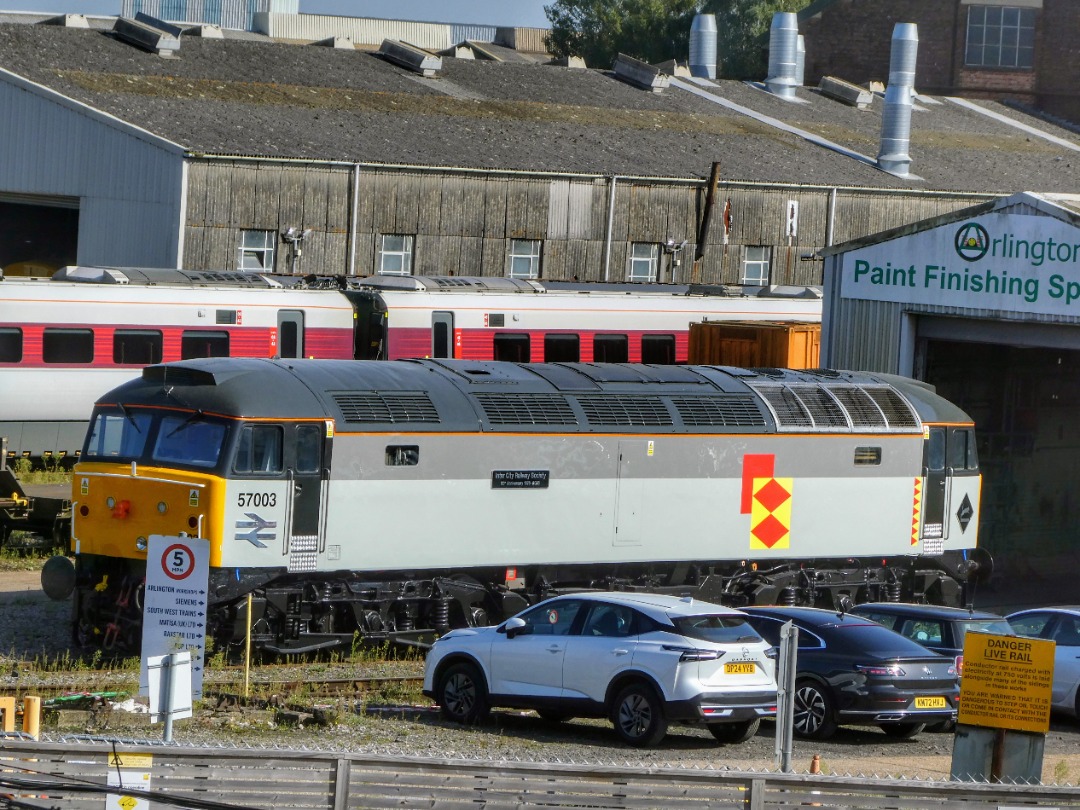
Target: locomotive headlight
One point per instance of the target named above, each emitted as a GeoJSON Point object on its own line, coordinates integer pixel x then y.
{"type": "Point", "coordinates": [140, 543]}
{"type": "Point", "coordinates": [162, 507]}
{"type": "Point", "coordinates": [110, 502]}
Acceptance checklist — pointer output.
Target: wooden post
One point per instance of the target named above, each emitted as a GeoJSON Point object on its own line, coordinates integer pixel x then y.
{"type": "Point", "coordinates": [32, 716]}
{"type": "Point", "coordinates": [7, 707]}
{"type": "Point", "coordinates": [703, 229]}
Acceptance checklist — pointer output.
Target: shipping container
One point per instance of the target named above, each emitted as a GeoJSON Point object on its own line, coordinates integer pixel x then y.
{"type": "Point", "coordinates": [756, 344]}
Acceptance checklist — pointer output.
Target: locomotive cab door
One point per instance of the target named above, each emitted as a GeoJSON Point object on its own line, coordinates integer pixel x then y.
{"type": "Point", "coordinates": [290, 328]}
{"type": "Point", "coordinates": [935, 492]}
{"type": "Point", "coordinates": [442, 334]}
{"type": "Point", "coordinates": [309, 476]}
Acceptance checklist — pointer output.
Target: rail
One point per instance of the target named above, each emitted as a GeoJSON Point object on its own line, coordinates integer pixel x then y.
{"type": "Point", "coordinates": [76, 774]}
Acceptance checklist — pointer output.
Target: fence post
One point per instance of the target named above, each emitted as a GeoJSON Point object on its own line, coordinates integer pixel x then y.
{"type": "Point", "coordinates": [31, 716]}
{"type": "Point", "coordinates": [7, 707]}
{"type": "Point", "coordinates": [342, 772]}
{"type": "Point", "coordinates": [755, 795]}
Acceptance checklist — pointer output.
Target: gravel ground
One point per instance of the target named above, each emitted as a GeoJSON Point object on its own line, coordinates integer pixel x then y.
{"type": "Point", "coordinates": [36, 629]}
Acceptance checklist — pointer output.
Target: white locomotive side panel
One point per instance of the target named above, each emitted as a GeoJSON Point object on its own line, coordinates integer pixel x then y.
{"type": "Point", "coordinates": [255, 523]}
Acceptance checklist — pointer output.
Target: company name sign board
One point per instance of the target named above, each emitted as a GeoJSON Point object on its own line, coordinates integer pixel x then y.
{"type": "Point", "coordinates": [1012, 262]}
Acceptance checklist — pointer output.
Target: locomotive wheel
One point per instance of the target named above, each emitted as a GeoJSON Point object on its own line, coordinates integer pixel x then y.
{"type": "Point", "coordinates": [639, 716]}
{"type": "Point", "coordinates": [814, 716]}
{"type": "Point", "coordinates": [462, 694]}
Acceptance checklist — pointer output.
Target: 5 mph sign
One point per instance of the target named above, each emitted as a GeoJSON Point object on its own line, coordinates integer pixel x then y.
{"type": "Point", "coordinates": [174, 607]}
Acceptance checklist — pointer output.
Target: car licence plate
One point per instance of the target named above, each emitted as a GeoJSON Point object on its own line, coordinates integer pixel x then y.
{"type": "Point", "coordinates": [740, 668]}
{"type": "Point", "coordinates": [930, 703]}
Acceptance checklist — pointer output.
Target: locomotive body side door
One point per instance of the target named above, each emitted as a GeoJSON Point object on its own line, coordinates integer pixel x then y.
{"type": "Point", "coordinates": [935, 489]}
{"type": "Point", "coordinates": [290, 337]}
{"type": "Point", "coordinates": [309, 477]}
{"type": "Point", "coordinates": [442, 334]}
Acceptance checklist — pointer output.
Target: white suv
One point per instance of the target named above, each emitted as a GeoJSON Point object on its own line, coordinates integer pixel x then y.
{"type": "Point", "coordinates": [643, 660]}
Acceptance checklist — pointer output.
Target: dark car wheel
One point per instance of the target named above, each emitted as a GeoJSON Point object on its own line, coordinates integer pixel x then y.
{"type": "Point", "coordinates": [734, 732]}
{"type": "Point", "coordinates": [554, 715]}
{"type": "Point", "coordinates": [814, 715]}
{"type": "Point", "coordinates": [462, 694]}
{"type": "Point", "coordinates": [902, 731]}
{"type": "Point", "coordinates": [638, 716]}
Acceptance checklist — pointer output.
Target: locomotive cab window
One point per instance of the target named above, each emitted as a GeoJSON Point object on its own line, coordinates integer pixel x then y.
{"type": "Point", "coordinates": [137, 346]}
{"type": "Point", "coordinates": [511, 347]}
{"type": "Point", "coordinates": [194, 345]}
{"type": "Point", "coordinates": [189, 440]}
{"type": "Point", "coordinates": [67, 346]}
{"type": "Point", "coordinates": [962, 453]}
{"type": "Point", "coordinates": [309, 448]}
{"type": "Point", "coordinates": [258, 450]}
{"type": "Point", "coordinates": [934, 450]}
{"type": "Point", "coordinates": [402, 455]}
{"type": "Point", "coordinates": [11, 345]}
{"type": "Point", "coordinates": [118, 435]}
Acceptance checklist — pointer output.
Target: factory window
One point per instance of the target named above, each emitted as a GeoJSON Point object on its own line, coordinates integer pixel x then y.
{"type": "Point", "coordinates": [11, 341]}
{"type": "Point", "coordinates": [395, 255]}
{"type": "Point", "coordinates": [511, 347]}
{"type": "Point", "coordinates": [658, 349]}
{"type": "Point", "coordinates": [136, 346]}
{"type": "Point", "coordinates": [67, 346]}
{"type": "Point", "coordinates": [524, 258]}
{"type": "Point", "coordinates": [1000, 37]}
{"type": "Point", "coordinates": [257, 250]}
{"type": "Point", "coordinates": [755, 267]}
{"type": "Point", "coordinates": [194, 345]}
{"type": "Point", "coordinates": [562, 348]}
{"type": "Point", "coordinates": [610, 349]}
{"type": "Point", "coordinates": [644, 259]}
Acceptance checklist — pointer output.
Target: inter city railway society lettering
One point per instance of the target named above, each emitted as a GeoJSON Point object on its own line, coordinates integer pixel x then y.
{"type": "Point", "coordinates": [989, 282]}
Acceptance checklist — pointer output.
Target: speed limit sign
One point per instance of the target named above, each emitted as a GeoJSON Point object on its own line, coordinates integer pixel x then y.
{"type": "Point", "coordinates": [178, 561]}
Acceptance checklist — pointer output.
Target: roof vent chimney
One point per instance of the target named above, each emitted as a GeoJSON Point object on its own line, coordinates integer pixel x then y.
{"type": "Point", "coordinates": [800, 61]}
{"type": "Point", "coordinates": [703, 46]}
{"type": "Point", "coordinates": [893, 156]}
{"type": "Point", "coordinates": [783, 43]}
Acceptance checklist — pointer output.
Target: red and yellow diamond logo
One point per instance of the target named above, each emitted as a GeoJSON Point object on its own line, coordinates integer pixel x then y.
{"type": "Point", "coordinates": [770, 514]}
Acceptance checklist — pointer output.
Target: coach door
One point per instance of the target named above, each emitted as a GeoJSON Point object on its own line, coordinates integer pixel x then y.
{"type": "Point", "coordinates": [935, 495]}
{"type": "Point", "coordinates": [290, 330]}
{"type": "Point", "coordinates": [630, 494]}
{"type": "Point", "coordinates": [309, 478]}
{"type": "Point", "coordinates": [442, 334]}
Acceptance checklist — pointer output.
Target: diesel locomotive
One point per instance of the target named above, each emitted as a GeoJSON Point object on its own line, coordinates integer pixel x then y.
{"type": "Point", "coordinates": [398, 499]}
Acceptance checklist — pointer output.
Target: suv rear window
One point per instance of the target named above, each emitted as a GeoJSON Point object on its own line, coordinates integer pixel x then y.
{"type": "Point", "coordinates": [716, 628]}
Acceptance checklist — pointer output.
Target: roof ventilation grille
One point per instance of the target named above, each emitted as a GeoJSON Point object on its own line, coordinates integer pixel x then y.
{"type": "Point", "coordinates": [703, 46]}
{"type": "Point", "coordinates": [372, 406]}
{"type": "Point", "coordinates": [149, 33]}
{"type": "Point", "coordinates": [735, 411]}
{"type": "Point", "coordinates": [640, 74]}
{"type": "Point", "coordinates": [527, 409]}
{"type": "Point", "coordinates": [410, 57]}
{"type": "Point", "coordinates": [896, 118]}
{"type": "Point", "coordinates": [783, 48]}
{"type": "Point", "coordinates": [625, 410]}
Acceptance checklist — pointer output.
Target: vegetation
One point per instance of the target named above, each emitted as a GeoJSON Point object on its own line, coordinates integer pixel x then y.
{"type": "Point", "coordinates": [658, 30]}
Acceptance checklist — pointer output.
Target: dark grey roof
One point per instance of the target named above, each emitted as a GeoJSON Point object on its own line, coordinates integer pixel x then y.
{"type": "Point", "coordinates": [299, 101]}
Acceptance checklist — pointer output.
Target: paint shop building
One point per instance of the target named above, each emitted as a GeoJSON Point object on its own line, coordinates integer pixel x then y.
{"type": "Point", "coordinates": [984, 304]}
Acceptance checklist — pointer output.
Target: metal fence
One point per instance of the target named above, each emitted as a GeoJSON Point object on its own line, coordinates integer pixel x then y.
{"type": "Point", "coordinates": [76, 774]}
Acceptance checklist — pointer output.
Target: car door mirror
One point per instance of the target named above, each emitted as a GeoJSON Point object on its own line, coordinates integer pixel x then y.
{"type": "Point", "coordinates": [513, 627]}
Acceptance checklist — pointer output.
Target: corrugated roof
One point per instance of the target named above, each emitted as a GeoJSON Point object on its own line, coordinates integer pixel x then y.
{"type": "Point", "coordinates": [270, 99]}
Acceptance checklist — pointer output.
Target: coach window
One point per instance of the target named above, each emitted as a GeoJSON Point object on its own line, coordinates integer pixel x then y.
{"type": "Point", "coordinates": [755, 268]}
{"type": "Point", "coordinates": [195, 345]}
{"type": "Point", "coordinates": [610, 349]}
{"type": "Point", "coordinates": [136, 346]}
{"type": "Point", "coordinates": [67, 346]}
{"type": "Point", "coordinates": [11, 343]}
{"type": "Point", "coordinates": [643, 261]}
{"type": "Point", "coordinates": [513, 348]}
{"type": "Point", "coordinates": [395, 255]}
{"type": "Point", "coordinates": [562, 348]}
{"type": "Point", "coordinates": [257, 250]}
{"type": "Point", "coordinates": [658, 349]}
{"type": "Point", "coordinates": [258, 450]}
{"type": "Point", "coordinates": [524, 258]}
{"type": "Point", "coordinates": [402, 455]}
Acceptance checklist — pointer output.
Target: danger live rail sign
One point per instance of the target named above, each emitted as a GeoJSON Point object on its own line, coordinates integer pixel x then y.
{"type": "Point", "coordinates": [1007, 682]}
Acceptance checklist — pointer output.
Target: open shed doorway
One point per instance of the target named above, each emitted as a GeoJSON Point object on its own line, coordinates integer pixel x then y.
{"type": "Point", "coordinates": [37, 239]}
{"type": "Point", "coordinates": [1026, 406]}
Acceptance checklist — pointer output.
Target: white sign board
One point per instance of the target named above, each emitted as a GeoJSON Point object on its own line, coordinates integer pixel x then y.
{"type": "Point", "coordinates": [130, 771]}
{"type": "Point", "coordinates": [1010, 262]}
{"type": "Point", "coordinates": [174, 605]}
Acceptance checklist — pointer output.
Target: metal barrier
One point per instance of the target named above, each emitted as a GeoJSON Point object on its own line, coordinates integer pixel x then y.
{"type": "Point", "coordinates": [76, 774]}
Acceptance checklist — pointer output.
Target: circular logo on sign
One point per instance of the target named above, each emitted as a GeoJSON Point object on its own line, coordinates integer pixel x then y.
{"type": "Point", "coordinates": [177, 562]}
{"type": "Point", "coordinates": [972, 241]}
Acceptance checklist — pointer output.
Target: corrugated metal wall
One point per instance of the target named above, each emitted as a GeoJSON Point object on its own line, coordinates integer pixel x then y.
{"type": "Point", "coordinates": [464, 222]}
{"type": "Point", "coordinates": [238, 14]}
{"type": "Point", "coordinates": [361, 30]}
{"type": "Point", "coordinates": [477, 33]}
{"type": "Point", "coordinates": [523, 39]}
{"type": "Point", "coordinates": [130, 186]}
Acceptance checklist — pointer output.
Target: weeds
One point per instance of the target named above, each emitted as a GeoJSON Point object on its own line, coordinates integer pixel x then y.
{"type": "Point", "coordinates": [51, 472]}
{"type": "Point", "coordinates": [1061, 772]}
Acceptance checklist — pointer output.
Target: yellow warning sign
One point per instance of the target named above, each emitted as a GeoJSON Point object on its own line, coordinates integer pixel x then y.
{"type": "Point", "coordinates": [1007, 682]}
{"type": "Point", "coordinates": [119, 759]}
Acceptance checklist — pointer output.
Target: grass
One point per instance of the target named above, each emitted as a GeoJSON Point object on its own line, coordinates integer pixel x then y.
{"type": "Point", "coordinates": [52, 472]}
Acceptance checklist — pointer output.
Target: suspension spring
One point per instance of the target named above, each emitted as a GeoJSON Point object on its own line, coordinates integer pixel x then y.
{"type": "Point", "coordinates": [442, 615]}
{"type": "Point", "coordinates": [788, 597]}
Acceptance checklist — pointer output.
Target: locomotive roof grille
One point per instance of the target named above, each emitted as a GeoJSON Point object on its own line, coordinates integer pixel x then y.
{"type": "Point", "coordinates": [372, 406]}
{"type": "Point", "coordinates": [837, 408]}
{"type": "Point", "coordinates": [527, 409]}
{"type": "Point", "coordinates": [733, 411]}
{"type": "Point", "coordinates": [629, 410]}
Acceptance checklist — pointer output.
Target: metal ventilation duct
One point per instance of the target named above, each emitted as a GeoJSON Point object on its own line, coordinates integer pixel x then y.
{"type": "Point", "coordinates": [410, 57]}
{"type": "Point", "coordinates": [800, 61]}
{"type": "Point", "coordinates": [147, 36]}
{"type": "Point", "coordinates": [640, 74]}
{"type": "Point", "coordinates": [783, 44]}
{"type": "Point", "coordinates": [893, 156]}
{"type": "Point", "coordinates": [703, 46]}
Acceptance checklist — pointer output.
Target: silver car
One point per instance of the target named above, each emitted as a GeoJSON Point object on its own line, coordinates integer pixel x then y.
{"type": "Point", "coordinates": [642, 660]}
{"type": "Point", "coordinates": [1062, 626]}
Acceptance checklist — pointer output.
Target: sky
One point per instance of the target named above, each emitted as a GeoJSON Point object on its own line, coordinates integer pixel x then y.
{"type": "Point", "coordinates": [522, 13]}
